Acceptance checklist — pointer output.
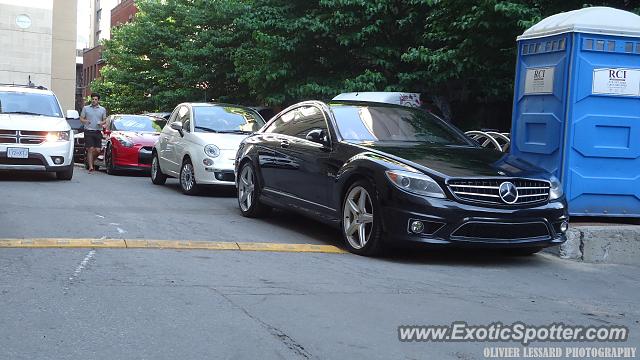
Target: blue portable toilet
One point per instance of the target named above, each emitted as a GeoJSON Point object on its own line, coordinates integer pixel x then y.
{"type": "Point", "coordinates": [576, 108]}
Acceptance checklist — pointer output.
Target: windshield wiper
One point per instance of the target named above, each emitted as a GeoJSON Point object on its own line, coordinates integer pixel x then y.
{"type": "Point", "coordinates": [22, 112]}
{"type": "Point", "coordinates": [206, 129]}
{"type": "Point", "coordinates": [234, 132]}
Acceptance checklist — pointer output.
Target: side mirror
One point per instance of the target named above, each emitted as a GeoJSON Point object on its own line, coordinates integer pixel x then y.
{"type": "Point", "coordinates": [318, 136]}
{"type": "Point", "coordinates": [177, 126]}
{"type": "Point", "coordinates": [73, 114]}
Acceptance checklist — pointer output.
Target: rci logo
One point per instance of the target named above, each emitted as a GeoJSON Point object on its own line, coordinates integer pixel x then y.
{"type": "Point", "coordinates": [617, 74]}
{"type": "Point", "coordinates": [538, 74]}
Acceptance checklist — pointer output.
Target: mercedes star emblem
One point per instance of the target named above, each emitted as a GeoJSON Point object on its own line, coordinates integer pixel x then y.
{"type": "Point", "coordinates": [508, 192]}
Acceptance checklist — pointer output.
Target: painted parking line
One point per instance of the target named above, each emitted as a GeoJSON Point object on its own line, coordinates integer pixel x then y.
{"type": "Point", "coordinates": [168, 244]}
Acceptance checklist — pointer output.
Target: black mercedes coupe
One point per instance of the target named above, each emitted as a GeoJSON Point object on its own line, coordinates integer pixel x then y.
{"type": "Point", "coordinates": [388, 174]}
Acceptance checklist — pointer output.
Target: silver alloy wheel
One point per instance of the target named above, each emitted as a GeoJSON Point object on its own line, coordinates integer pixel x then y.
{"type": "Point", "coordinates": [187, 178]}
{"type": "Point", "coordinates": [357, 217]}
{"type": "Point", "coordinates": [154, 167]}
{"type": "Point", "coordinates": [246, 185]}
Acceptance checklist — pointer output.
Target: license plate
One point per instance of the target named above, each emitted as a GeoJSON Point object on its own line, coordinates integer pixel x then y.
{"type": "Point", "coordinates": [18, 153]}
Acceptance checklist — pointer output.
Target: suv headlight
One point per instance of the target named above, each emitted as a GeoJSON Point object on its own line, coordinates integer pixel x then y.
{"type": "Point", "coordinates": [555, 191]}
{"type": "Point", "coordinates": [54, 136]}
{"type": "Point", "coordinates": [211, 150]}
{"type": "Point", "coordinates": [416, 183]}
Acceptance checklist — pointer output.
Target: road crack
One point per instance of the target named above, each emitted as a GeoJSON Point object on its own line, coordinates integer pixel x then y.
{"type": "Point", "coordinates": [289, 342]}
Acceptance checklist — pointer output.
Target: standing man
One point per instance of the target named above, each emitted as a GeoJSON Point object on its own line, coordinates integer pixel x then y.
{"type": "Point", "coordinates": [93, 117]}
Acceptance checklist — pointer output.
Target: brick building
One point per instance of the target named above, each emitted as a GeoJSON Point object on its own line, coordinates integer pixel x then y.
{"type": "Point", "coordinates": [121, 11]}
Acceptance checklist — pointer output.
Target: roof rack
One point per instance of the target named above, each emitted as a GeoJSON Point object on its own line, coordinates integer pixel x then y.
{"type": "Point", "coordinates": [29, 86]}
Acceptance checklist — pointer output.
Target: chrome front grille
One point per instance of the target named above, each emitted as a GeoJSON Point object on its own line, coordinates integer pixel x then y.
{"type": "Point", "coordinates": [22, 137]}
{"type": "Point", "coordinates": [487, 191]}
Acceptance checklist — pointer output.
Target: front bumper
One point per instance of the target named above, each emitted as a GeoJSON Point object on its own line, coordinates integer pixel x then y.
{"type": "Point", "coordinates": [133, 158]}
{"type": "Point", "coordinates": [448, 222]}
{"type": "Point", "coordinates": [220, 172]}
{"type": "Point", "coordinates": [41, 157]}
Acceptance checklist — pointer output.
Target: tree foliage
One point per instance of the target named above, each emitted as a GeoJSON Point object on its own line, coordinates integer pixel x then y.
{"type": "Point", "coordinates": [174, 51]}
{"type": "Point", "coordinates": [276, 52]}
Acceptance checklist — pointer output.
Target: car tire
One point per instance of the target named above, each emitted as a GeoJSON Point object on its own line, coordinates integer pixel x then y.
{"type": "Point", "coordinates": [187, 179]}
{"type": "Point", "coordinates": [249, 193]}
{"type": "Point", "coordinates": [361, 224]}
{"type": "Point", "coordinates": [157, 177]}
{"type": "Point", "coordinates": [108, 162]}
{"type": "Point", "coordinates": [523, 251]}
{"type": "Point", "coordinates": [65, 174]}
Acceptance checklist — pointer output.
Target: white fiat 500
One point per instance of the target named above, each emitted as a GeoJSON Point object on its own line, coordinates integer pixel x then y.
{"type": "Point", "coordinates": [199, 144]}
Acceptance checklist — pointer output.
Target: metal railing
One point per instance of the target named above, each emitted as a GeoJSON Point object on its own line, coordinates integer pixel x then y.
{"type": "Point", "coordinates": [491, 139]}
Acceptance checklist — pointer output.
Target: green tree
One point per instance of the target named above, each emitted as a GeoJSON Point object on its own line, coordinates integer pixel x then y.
{"type": "Point", "coordinates": [174, 51]}
{"type": "Point", "coordinates": [460, 53]}
{"type": "Point", "coordinates": [317, 49]}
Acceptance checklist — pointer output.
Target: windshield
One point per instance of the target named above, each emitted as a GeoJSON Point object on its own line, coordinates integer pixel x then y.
{"type": "Point", "coordinates": [225, 119]}
{"type": "Point", "coordinates": [29, 104]}
{"type": "Point", "coordinates": [394, 123]}
{"type": "Point", "coordinates": [137, 123]}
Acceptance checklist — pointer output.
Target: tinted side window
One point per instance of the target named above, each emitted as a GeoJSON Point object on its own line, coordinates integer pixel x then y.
{"type": "Point", "coordinates": [298, 122]}
{"type": "Point", "coordinates": [278, 126]}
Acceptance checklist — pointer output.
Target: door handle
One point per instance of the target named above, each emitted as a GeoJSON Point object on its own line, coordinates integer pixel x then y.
{"type": "Point", "coordinates": [284, 144]}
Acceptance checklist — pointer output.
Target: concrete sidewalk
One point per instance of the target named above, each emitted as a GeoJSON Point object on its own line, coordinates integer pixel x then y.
{"type": "Point", "coordinates": [602, 240]}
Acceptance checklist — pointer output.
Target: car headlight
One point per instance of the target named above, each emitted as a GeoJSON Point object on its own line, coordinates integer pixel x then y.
{"type": "Point", "coordinates": [211, 150]}
{"type": "Point", "coordinates": [54, 136]}
{"type": "Point", "coordinates": [555, 191]}
{"type": "Point", "coordinates": [123, 141]}
{"type": "Point", "coordinates": [416, 183]}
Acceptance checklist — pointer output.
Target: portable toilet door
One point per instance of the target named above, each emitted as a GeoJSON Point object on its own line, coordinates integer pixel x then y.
{"type": "Point", "coordinates": [577, 107]}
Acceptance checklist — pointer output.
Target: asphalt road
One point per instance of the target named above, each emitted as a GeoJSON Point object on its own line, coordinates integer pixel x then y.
{"type": "Point", "coordinates": [193, 304]}
{"type": "Point", "coordinates": [98, 205]}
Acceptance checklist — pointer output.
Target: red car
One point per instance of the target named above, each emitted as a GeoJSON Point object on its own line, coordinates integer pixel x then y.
{"type": "Point", "coordinates": [129, 141]}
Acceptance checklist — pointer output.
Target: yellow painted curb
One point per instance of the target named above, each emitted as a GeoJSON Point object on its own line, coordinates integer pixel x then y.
{"type": "Point", "coordinates": [62, 243]}
{"type": "Point", "coordinates": [180, 244]}
{"type": "Point", "coordinates": [167, 244]}
{"type": "Point", "coordinates": [290, 248]}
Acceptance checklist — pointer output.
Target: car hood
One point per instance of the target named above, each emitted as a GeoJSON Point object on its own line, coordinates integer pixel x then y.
{"type": "Point", "coordinates": [456, 161]}
{"type": "Point", "coordinates": [33, 123]}
{"type": "Point", "coordinates": [222, 141]}
{"type": "Point", "coordinates": [143, 138]}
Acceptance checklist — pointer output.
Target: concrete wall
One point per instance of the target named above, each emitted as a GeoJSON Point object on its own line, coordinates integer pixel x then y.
{"type": "Point", "coordinates": [63, 54]}
{"type": "Point", "coordinates": [44, 48]}
{"type": "Point", "coordinates": [26, 51]}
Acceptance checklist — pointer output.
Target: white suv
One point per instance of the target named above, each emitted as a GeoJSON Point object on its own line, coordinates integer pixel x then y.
{"type": "Point", "coordinates": [34, 134]}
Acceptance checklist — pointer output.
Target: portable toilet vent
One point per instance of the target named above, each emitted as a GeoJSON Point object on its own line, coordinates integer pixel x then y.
{"type": "Point", "coordinates": [576, 108]}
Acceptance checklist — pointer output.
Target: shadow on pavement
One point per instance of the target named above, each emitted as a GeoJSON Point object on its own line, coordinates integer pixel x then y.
{"type": "Point", "coordinates": [130, 173]}
{"type": "Point", "coordinates": [218, 191]}
{"type": "Point", "coordinates": [459, 256]}
{"type": "Point", "coordinates": [27, 176]}
{"type": "Point", "coordinates": [326, 234]}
